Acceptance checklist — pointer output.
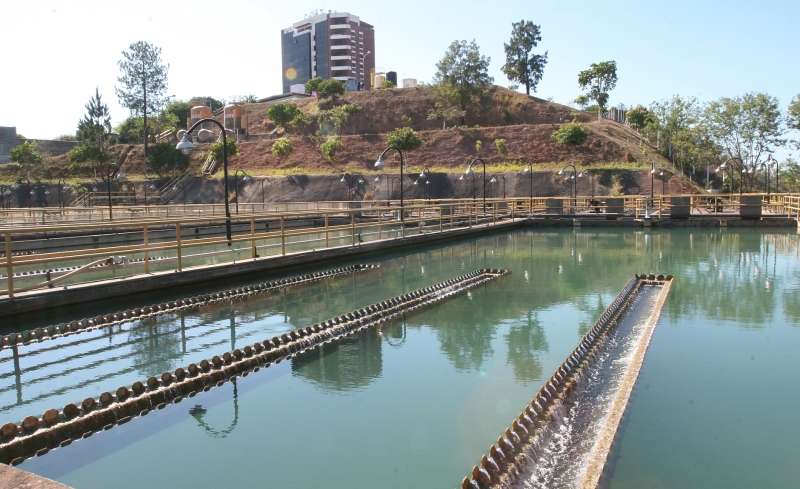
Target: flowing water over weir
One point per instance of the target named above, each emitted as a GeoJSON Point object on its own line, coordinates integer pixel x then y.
{"type": "Point", "coordinates": [36, 436]}
{"type": "Point", "coordinates": [564, 435]}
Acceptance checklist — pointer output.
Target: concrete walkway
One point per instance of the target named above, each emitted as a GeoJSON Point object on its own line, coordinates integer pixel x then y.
{"type": "Point", "coordinates": [13, 478]}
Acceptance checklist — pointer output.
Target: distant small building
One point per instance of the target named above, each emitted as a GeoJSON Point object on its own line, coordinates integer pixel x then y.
{"type": "Point", "coordinates": [9, 141]}
{"type": "Point", "coordinates": [332, 45]}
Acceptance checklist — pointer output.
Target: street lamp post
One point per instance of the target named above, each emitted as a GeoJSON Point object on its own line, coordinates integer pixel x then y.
{"type": "Point", "coordinates": [246, 179]}
{"type": "Point", "coordinates": [147, 184]}
{"type": "Point", "coordinates": [469, 171]}
{"type": "Point", "coordinates": [529, 171]}
{"type": "Point", "coordinates": [661, 172]}
{"type": "Point", "coordinates": [183, 188]}
{"type": "Point", "coordinates": [5, 197]}
{"type": "Point", "coordinates": [269, 184]}
{"type": "Point", "coordinates": [494, 180]}
{"type": "Point", "coordinates": [474, 193]}
{"type": "Point", "coordinates": [572, 174]}
{"type": "Point", "coordinates": [62, 185]}
{"type": "Point", "coordinates": [35, 193]}
{"type": "Point", "coordinates": [424, 175]}
{"type": "Point", "coordinates": [388, 193]}
{"type": "Point", "coordinates": [185, 145]}
{"type": "Point", "coordinates": [348, 179]}
{"type": "Point", "coordinates": [590, 174]}
{"type": "Point", "coordinates": [27, 189]}
{"type": "Point", "coordinates": [381, 163]}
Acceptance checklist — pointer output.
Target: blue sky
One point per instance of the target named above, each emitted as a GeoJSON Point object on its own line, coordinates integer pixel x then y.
{"type": "Point", "coordinates": [56, 52]}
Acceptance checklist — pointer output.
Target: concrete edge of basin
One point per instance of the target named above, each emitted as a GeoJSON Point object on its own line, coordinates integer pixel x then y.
{"type": "Point", "coordinates": [14, 477]}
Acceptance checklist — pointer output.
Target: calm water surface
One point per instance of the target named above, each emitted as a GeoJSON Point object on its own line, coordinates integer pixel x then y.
{"type": "Point", "coordinates": [418, 403]}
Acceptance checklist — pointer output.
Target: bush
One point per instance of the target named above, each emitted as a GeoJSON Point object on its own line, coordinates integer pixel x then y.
{"type": "Point", "coordinates": [287, 116]}
{"type": "Point", "coordinates": [163, 156]}
{"type": "Point", "coordinates": [215, 150]}
{"type": "Point", "coordinates": [330, 147]}
{"type": "Point", "coordinates": [282, 148]}
{"type": "Point", "coordinates": [502, 149]}
{"type": "Point", "coordinates": [404, 138]}
{"type": "Point", "coordinates": [572, 134]}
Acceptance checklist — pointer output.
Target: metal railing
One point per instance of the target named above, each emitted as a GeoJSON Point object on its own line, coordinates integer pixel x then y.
{"type": "Point", "coordinates": [107, 250]}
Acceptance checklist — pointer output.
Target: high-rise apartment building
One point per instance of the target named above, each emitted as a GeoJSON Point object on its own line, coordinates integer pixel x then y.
{"type": "Point", "coordinates": [332, 45]}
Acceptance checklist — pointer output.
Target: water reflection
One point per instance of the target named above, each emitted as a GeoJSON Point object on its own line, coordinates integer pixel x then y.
{"type": "Point", "coordinates": [524, 339]}
{"type": "Point", "coordinates": [198, 412]}
{"type": "Point", "coordinates": [346, 365]}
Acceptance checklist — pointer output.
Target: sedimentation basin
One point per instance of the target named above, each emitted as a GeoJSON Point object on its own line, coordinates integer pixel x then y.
{"type": "Point", "coordinates": [417, 403]}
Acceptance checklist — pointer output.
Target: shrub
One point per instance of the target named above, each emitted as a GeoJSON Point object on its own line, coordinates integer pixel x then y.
{"type": "Point", "coordinates": [572, 134]}
{"type": "Point", "coordinates": [282, 148]}
{"type": "Point", "coordinates": [330, 147]}
{"type": "Point", "coordinates": [164, 156]}
{"type": "Point", "coordinates": [215, 150]}
{"type": "Point", "coordinates": [404, 138]}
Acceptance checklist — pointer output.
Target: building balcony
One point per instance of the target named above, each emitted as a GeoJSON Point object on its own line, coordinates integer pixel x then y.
{"type": "Point", "coordinates": [340, 58]}
{"type": "Point", "coordinates": [340, 26]}
{"type": "Point", "coordinates": [341, 68]}
{"type": "Point", "coordinates": [340, 46]}
{"type": "Point", "coordinates": [340, 36]}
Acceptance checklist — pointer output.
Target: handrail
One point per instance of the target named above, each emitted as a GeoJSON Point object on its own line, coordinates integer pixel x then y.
{"type": "Point", "coordinates": [319, 228]}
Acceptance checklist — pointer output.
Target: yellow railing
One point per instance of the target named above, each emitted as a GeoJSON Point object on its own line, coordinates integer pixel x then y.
{"type": "Point", "coordinates": [175, 243]}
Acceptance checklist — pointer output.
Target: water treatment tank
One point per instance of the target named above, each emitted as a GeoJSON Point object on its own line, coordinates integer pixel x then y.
{"type": "Point", "coordinates": [409, 82]}
{"type": "Point", "coordinates": [392, 77]}
{"type": "Point", "coordinates": [201, 112]}
{"type": "Point", "coordinates": [378, 80]}
{"type": "Point", "coordinates": [235, 119]}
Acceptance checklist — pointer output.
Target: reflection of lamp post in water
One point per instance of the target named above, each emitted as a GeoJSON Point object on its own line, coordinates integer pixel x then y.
{"type": "Point", "coordinates": [199, 411]}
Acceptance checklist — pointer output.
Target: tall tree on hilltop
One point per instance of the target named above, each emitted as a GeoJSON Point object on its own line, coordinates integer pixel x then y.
{"type": "Point", "coordinates": [522, 66]}
{"type": "Point", "coordinates": [465, 71]}
{"type": "Point", "coordinates": [143, 80]}
{"type": "Point", "coordinates": [95, 127]}
{"type": "Point", "coordinates": [598, 80]}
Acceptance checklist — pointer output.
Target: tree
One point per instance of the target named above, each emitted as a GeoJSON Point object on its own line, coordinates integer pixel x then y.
{"type": "Point", "coordinates": [250, 99]}
{"type": "Point", "coordinates": [215, 149]}
{"type": "Point", "coordinates": [325, 89]}
{"type": "Point", "coordinates": [793, 117]}
{"type": "Point", "coordinates": [444, 107]}
{"type": "Point", "coordinates": [404, 138]}
{"type": "Point", "coordinates": [571, 134]}
{"type": "Point", "coordinates": [282, 148]}
{"type": "Point", "coordinates": [181, 110]}
{"type": "Point", "coordinates": [209, 102]}
{"type": "Point", "coordinates": [95, 127]}
{"type": "Point", "coordinates": [164, 156]}
{"type": "Point", "coordinates": [143, 80]}
{"type": "Point", "coordinates": [465, 73]}
{"type": "Point", "coordinates": [386, 84]}
{"type": "Point", "coordinates": [338, 115]}
{"type": "Point", "coordinates": [26, 155]}
{"type": "Point", "coordinates": [287, 116]}
{"type": "Point", "coordinates": [330, 147]}
{"type": "Point", "coordinates": [521, 65]}
{"type": "Point", "coordinates": [746, 127]}
{"type": "Point", "coordinates": [599, 79]}
{"type": "Point", "coordinates": [639, 117]}
{"type": "Point", "coordinates": [794, 113]}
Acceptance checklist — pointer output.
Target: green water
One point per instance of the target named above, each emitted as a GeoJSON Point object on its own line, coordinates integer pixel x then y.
{"type": "Point", "coordinates": [417, 404]}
